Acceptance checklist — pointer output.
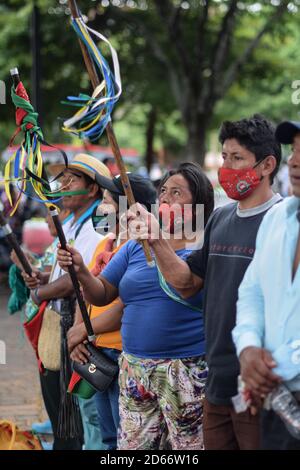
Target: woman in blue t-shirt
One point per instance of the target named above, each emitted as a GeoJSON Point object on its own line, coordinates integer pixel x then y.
{"type": "Point", "coordinates": [162, 366]}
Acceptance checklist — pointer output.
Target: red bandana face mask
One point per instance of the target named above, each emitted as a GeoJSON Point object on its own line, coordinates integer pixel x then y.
{"type": "Point", "coordinates": [239, 184]}
{"type": "Point", "coordinates": [171, 219]}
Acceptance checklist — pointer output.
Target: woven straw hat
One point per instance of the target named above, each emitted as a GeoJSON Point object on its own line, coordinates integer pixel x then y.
{"type": "Point", "coordinates": [84, 163]}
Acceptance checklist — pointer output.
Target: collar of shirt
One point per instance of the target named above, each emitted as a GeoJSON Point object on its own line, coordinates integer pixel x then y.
{"type": "Point", "coordinates": [292, 206]}
{"type": "Point", "coordinates": [86, 214]}
{"type": "Point", "coordinates": [292, 223]}
{"type": "Point", "coordinates": [258, 209]}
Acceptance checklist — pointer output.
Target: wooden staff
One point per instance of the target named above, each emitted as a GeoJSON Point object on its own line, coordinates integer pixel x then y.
{"type": "Point", "coordinates": [16, 80]}
{"type": "Point", "coordinates": [9, 235]}
{"type": "Point", "coordinates": [62, 239]}
{"type": "Point", "coordinates": [110, 131]}
{"type": "Point", "coordinates": [69, 419]}
{"type": "Point", "coordinates": [14, 244]}
{"type": "Point", "coordinates": [73, 276]}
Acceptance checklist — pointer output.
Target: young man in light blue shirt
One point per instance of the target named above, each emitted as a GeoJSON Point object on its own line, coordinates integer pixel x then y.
{"type": "Point", "coordinates": [267, 332]}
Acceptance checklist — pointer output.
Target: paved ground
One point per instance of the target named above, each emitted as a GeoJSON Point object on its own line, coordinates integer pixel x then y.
{"type": "Point", "coordinates": [20, 396]}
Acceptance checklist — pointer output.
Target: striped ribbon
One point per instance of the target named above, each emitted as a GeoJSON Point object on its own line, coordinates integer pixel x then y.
{"type": "Point", "coordinates": [95, 111]}
{"type": "Point", "coordinates": [25, 168]}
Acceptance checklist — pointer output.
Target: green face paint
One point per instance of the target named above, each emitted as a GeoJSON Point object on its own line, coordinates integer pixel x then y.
{"type": "Point", "coordinates": [79, 192]}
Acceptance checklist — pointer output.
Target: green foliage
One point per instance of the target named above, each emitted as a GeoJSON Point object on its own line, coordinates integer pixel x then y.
{"type": "Point", "coordinates": [147, 57]}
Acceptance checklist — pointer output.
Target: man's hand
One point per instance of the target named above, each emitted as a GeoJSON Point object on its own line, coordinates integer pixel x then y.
{"type": "Point", "coordinates": [70, 256]}
{"type": "Point", "coordinates": [142, 225]}
{"type": "Point", "coordinates": [80, 354]}
{"type": "Point", "coordinates": [256, 371]}
{"type": "Point", "coordinates": [76, 335]}
{"type": "Point", "coordinates": [33, 281]}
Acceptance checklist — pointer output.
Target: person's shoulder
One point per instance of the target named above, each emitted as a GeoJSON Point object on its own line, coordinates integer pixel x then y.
{"type": "Point", "coordinates": [279, 209]}
{"type": "Point", "coordinates": [227, 208]}
{"type": "Point", "coordinates": [127, 248]}
{"type": "Point", "coordinates": [133, 250]}
{"type": "Point", "coordinates": [87, 230]}
{"type": "Point", "coordinates": [275, 217]}
{"type": "Point", "coordinates": [132, 246]}
{"type": "Point", "coordinates": [222, 212]}
{"type": "Point", "coordinates": [101, 244]}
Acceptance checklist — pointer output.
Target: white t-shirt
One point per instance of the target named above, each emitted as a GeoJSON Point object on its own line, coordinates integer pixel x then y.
{"type": "Point", "coordinates": [86, 242]}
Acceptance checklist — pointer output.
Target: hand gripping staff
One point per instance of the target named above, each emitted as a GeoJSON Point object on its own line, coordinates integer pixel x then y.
{"type": "Point", "coordinates": [101, 103]}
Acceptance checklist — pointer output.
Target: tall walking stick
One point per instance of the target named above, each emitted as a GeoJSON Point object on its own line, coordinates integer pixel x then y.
{"type": "Point", "coordinates": [90, 66]}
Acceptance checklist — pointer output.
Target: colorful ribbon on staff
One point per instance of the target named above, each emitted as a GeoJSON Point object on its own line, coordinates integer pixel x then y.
{"type": "Point", "coordinates": [95, 111]}
{"type": "Point", "coordinates": [25, 167]}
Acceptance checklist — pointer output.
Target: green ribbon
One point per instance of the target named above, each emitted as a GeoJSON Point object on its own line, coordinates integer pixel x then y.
{"type": "Point", "coordinates": [32, 116]}
{"type": "Point", "coordinates": [68, 193]}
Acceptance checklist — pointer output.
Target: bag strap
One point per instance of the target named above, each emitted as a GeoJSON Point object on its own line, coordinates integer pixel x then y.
{"type": "Point", "coordinates": [166, 288]}
{"type": "Point", "coordinates": [85, 217]}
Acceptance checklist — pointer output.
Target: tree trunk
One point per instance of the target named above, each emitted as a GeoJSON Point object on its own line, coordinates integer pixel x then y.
{"type": "Point", "coordinates": [196, 145]}
{"type": "Point", "coordinates": [150, 132]}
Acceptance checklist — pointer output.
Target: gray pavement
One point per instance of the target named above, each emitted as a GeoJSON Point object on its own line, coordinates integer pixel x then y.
{"type": "Point", "coordinates": [20, 395]}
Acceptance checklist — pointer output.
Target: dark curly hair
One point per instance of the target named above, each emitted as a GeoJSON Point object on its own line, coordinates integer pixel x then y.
{"type": "Point", "coordinates": [199, 185]}
{"type": "Point", "coordinates": [257, 135]}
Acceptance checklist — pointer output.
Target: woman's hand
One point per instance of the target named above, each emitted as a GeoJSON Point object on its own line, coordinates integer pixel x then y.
{"type": "Point", "coordinates": [66, 258]}
{"type": "Point", "coordinates": [76, 335]}
{"type": "Point", "coordinates": [142, 225]}
{"type": "Point", "coordinates": [80, 354]}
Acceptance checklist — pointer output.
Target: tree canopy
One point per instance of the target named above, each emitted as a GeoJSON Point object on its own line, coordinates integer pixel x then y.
{"type": "Point", "coordinates": [185, 65]}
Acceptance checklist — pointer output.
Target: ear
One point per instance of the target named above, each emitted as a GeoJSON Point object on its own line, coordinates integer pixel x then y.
{"type": "Point", "coordinates": [93, 190]}
{"type": "Point", "coordinates": [268, 165]}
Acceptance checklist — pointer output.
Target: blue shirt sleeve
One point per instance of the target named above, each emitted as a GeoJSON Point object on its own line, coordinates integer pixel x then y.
{"type": "Point", "coordinates": [117, 266]}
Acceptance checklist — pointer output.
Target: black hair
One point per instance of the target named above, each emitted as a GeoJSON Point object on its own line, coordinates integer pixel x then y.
{"type": "Point", "coordinates": [107, 160]}
{"type": "Point", "coordinates": [257, 135]}
{"type": "Point", "coordinates": [88, 181]}
{"type": "Point", "coordinates": [145, 193]}
{"type": "Point", "coordinates": [199, 185]}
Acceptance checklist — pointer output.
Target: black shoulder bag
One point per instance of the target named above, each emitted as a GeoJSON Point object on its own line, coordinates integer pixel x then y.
{"type": "Point", "coordinates": [100, 370]}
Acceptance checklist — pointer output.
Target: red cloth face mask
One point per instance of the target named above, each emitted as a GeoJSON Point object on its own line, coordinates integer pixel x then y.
{"type": "Point", "coordinates": [171, 219]}
{"type": "Point", "coordinates": [239, 184]}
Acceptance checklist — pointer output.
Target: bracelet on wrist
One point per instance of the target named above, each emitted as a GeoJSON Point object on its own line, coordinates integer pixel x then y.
{"type": "Point", "coordinates": [35, 296]}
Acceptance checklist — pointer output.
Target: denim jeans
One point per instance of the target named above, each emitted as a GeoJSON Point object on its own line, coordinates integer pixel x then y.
{"type": "Point", "coordinates": [107, 404]}
{"type": "Point", "coordinates": [92, 432]}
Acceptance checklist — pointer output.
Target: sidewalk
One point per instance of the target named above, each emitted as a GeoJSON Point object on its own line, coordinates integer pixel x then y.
{"type": "Point", "coordinates": [20, 396]}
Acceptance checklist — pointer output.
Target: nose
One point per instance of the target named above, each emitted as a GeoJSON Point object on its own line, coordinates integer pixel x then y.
{"type": "Point", "coordinates": [63, 179]}
{"type": "Point", "coordinates": [164, 198]}
{"type": "Point", "coordinates": [227, 163]}
{"type": "Point", "coordinates": [66, 180]}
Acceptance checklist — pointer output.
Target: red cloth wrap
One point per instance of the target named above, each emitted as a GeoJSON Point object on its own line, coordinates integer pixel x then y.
{"type": "Point", "coordinates": [32, 329]}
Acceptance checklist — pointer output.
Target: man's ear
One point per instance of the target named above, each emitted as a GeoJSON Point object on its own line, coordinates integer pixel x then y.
{"type": "Point", "coordinates": [269, 165]}
{"type": "Point", "coordinates": [93, 190]}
